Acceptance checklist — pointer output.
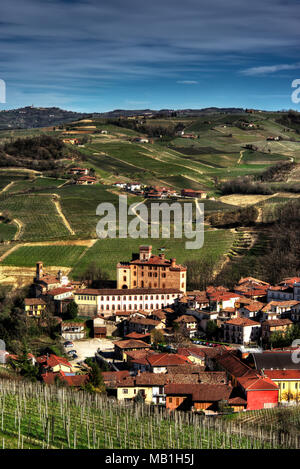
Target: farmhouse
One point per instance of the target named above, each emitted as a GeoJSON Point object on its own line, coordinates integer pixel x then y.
{"type": "Point", "coordinates": [86, 180]}
{"type": "Point", "coordinates": [197, 397]}
{"type": "Point", "coordinates": [151, 271]}
{"type": "Point", "coordinates": [193, 193]}
{"type": "Point", "coordinates": [124, 346]}
{"type": "Point", "coordinates": [33, 307]}
{"type": "Point", "coordinates": [274, 325]}
{"type": "Point", "coordinates": [71, 330]}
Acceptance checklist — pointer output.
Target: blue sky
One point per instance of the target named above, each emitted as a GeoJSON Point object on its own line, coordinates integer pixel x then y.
{"type": "Point", "coordinates": [95, 55]}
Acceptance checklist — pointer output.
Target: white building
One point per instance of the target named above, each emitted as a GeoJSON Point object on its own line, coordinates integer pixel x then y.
{"type": "Point", "coordinates": [241, 331]}
{"type": "Point", "coordinates": [111, 301]}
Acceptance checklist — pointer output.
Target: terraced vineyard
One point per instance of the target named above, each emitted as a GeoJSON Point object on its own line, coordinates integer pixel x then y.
{"type": "Point", "coordinates": [37, 416]}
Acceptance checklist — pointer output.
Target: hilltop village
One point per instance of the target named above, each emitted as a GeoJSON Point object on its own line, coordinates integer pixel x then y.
{"type": "Point", "coordinates": [210, 351]}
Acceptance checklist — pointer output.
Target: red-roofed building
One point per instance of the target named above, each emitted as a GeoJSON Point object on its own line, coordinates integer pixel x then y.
{"type": "Point", "coordinates": [159, 363]}
{"type": "Point", "coordinates": [241, 331]}
{"type": "Point", "coordinates": [260, 392]}
{"type": "Point", "coordinates": [53, 363]}
{"type": "Point", "coordinates": [151, 271]}
{"type": "Point", "coordinates": [70, 380]}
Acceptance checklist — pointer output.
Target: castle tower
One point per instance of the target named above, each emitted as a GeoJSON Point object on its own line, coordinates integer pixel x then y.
{"type": "Point", "coordinates": [145, 253]}
{"type": "Point", "coordinates": [39, 270]}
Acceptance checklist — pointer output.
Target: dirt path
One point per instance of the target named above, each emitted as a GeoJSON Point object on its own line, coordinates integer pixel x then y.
{"type": "Point", "coordinates": [24, 170]}
{"type": "Point", "coordinates": [241, 156]}
{"type": "Point", "coordinates": [7, 253]}
{"type": "Point", "coordinates": [20, 227]}
{"type": "Point", "coordinates": [7, 187]}
{"type": "Point", "coordinates": [55, 200]}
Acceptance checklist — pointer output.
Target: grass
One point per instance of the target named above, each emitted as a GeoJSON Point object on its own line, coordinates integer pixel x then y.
{"type": "Point", "coordinates": [108, 252]}
{"type": "Point", "coordinates": [7, 231]}
{"type": "Point", "coordinates": [27, 256]}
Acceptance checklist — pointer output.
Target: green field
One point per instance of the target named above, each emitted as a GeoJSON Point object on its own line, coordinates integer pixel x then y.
{"type": "Point", "coordinates": [28, 256]}
{"type": "Point", "coordinates": [7, 231]}
{"type": "Point", "coordinates": [107, 253]}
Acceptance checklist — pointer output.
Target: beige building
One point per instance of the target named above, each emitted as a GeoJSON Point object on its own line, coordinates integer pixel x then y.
{"type": "Point", "coordinates": [151, 271]}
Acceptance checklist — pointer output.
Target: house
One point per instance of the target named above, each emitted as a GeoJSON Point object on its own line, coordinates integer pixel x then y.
{"type": "Point", "coordinates": [260, 392]}
{"type": "Point", "coordinates": [112, 378]}
{"type": "Point", "coordinates": [188, 323]}
{"type": "Point", "coordinates": [70, 380]}
{"type": "Point", "coordinates": [80, 171]}
{"type": "Point", "coordinates": [54, 364]}
{"type": "Point", "coordinates": [288, 382]}
{"type": "Point", "coordinates": [151, 271]}
{"type": "Point", "coordinates": [220, 300]}
{"type": "Point", "coordinates": [251, 287]}
{"type": "Point", "coordinates": [99, 328]}
{"type": "Point", "coordinates": [241, 331]}
{"type": "Point", "coordinates": [114, 301]}
{"type": "Point", "coordinates": [34, 307]}
{"type": "Point", "coordinates": [71, 330]}
{"type": "Point", "coordinates": [196, 397]}
{"type": "Point", "coordinates": [121, 185]}
{"type": "Point", "coordinates": [249, 309]}
{"type": "Point", "coordinates": [44, 282]}
{"type": "Point", "coordinates": [140, 325]}
{"type": "Point", "coordinates": [274, 325]}
{"type": "Point", "coordinates": [86, 180]}
{"type": "Point", "coordinates": [193, 353]}
{"type": "Point", "coordinates": [133, 186]}
{"type": "Point", "coordinates": [124, 346]}
{"type": "Point", "coordinates": [194, 193]}
{"type": "Point", "coordinates": [160, 362]}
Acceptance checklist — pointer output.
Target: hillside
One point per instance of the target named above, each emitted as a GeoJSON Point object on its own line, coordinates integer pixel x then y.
{"type": "Point", "coordinates": [215, 150]}
{"type": "Point", "coordinates": [31, 117]}
{"type": "Point", "coordinates": [35, 416]}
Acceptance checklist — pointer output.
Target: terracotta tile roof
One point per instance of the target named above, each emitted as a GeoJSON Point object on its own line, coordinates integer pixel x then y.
{"type": "Point", "coordinates": [145, 321]}
{"type": "Point", "coordinates": [76, 380]}
{"type": "Point", "coordinates": [243, 322]}
{"type": "Point", "coordinates": [167, 359]}
{"type": "Point", "coordinates": [131, 343]}
{"type": "Point", "coordinates": [252, 279]}
{"type": "Point", "coordinates": [256, 382]}
{"type": "Point", "coordinates": [59, 291]}
{"type": "Point", "coordinates": [237, 401]}
{"type": "Point", "coordinates": [136, 335]}
{"type": "Point", "coordinates": [200, 392]}
{"type": "Point", "coordinates": [284, 303]}
{"type": "Point", "coordinates": [185, 318]}
{"type": "Point", "coordinates": [34, 301]}
{"type": "Point", "coordinates": [188, 369]}
{"type": "Point", "coordinates": [54, 360]}
{"type": "Point", "coordinates": [282, 374]}
{"type": "Point", "coordinates": [193, 350]}
{"type": "Point", "coordinates": [277, 322]}
{"type": "Point", "coordinates": [233, 365]}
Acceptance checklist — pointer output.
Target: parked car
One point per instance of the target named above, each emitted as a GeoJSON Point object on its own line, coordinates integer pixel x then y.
{"type": "Point", "coordinates": [68, 344]}
{"type": "Point", "coordinates": [72, 352]}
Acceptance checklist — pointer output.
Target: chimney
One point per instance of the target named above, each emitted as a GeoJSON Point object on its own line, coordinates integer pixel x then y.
{"type": "Point", "coordinates": [173, 262]}
{"type": "Point", "coordinates": [162, 256]}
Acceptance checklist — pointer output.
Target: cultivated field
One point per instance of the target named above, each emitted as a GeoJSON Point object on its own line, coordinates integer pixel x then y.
{"type": "Point", "coordinates": [35, 416]}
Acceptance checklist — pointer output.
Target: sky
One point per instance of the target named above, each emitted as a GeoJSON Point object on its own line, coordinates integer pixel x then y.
{"type": "Point", "coordinates": [95, 55]}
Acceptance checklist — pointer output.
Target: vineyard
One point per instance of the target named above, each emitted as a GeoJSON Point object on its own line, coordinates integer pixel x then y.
{"type": "Point", "coordinates": [49, 417]}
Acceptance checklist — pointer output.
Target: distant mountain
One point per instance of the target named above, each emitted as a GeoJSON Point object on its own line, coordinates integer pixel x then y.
{"type": "Point", "coordinates": [31, 117]}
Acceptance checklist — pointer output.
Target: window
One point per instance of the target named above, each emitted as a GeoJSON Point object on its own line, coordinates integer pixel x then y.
{"type": "Point", "coordinates": [170, 400]}
{"type": "Point", "coordinates": [125, 391]}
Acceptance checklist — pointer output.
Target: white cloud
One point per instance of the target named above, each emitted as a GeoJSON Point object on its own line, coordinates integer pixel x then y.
{"type": "Point", "coordinates": [266, 69]}
{"type": "Point", "coordinates": [187, 82]}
